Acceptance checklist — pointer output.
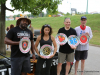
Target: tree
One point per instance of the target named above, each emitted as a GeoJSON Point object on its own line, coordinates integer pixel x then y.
{"type": "Point", "coordinates": [33, 6]}
{"type": "Point", "coordinates": [68, 13]}
{"type": "Point", "coordinates": [2, 29]}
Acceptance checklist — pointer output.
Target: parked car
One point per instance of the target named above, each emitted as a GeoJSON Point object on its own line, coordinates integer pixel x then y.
{"type": "Point", "coordinates": [60, 15]}
{"type": "Point", "coordinates": [36, 34]}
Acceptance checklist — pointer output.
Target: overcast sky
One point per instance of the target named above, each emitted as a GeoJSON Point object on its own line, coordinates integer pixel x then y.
{"type": "Point", "coordinates": [80, 5]}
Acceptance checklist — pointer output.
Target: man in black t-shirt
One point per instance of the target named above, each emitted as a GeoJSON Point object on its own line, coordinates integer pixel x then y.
{"type": "Point", "coordinates": [66, 51]}
{"type": "Point", "coordinates": [20, 62]}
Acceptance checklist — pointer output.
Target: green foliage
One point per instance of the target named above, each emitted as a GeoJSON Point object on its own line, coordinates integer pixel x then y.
{"type": "Point", "coordinates": [68, 13]}
{"type": "Point", "coordinates": [52, 8]}
{"type": "Point", "coordinates": [36, 6]}
{"type": "Point", "coordinates": [28, 15]}
{"type": "Point", "coordinates": [8, 53]}
{"type": "Point", "coordinates": [2, 1]}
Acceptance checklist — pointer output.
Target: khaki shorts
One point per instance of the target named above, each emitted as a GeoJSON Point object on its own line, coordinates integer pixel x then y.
{"type": "Point", "coordinates": [68, 57]}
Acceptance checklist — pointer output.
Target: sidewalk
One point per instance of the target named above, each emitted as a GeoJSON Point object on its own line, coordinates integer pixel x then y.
{"type": "Point", "coordinates": [86, 72]}
{"type": "Point", "coordinates": [73, 71]}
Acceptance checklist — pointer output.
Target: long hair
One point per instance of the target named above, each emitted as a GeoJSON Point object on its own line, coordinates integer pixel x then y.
{"type": "Point", "coordinates": [42, 29]}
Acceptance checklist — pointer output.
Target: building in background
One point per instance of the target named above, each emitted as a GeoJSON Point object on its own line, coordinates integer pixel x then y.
{"type": "Point", "coordinates": [73, 11]}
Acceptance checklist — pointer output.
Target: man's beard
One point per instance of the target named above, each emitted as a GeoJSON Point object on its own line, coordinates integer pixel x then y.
{"type": "Point", "coordinates": [24, 27]}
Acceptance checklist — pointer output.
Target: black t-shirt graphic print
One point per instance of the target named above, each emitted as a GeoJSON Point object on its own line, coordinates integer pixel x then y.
{"type": "Point", "coordinates": [15, 34]}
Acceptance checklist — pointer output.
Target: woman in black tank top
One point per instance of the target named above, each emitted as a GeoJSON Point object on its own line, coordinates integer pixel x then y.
{"type": "Point", "coordinates": [45, 38]}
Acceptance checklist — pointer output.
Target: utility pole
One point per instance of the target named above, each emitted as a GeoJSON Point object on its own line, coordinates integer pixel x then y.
{"type": "Point", "coordinates": [70, 6]}
{"type": "Point", "coordinates": [70, 9]}
{"type": "Point", "coordinates": [87, 8]}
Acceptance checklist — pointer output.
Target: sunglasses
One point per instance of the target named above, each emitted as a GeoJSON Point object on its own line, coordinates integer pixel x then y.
{"type": "Point", "coordinates": [67, 18]}
{"type": "Point", "coordinates": [46, 25]}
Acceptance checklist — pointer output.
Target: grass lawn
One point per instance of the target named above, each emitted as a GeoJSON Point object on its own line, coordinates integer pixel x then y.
{"type": "Point", "coordinates": [7, 54]}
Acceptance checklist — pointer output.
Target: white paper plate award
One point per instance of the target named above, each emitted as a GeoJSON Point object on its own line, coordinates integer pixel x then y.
{"type": "Point", "coordinates": [61, 38]}
{"type": "Point", "coordinates": [46, 51]}
{"type": "Point", "coordinates": [25, 45]}
{"type": "Point", "coordinates": [73, 40]}
{"type": "Point", "coordinates": [84, 39]}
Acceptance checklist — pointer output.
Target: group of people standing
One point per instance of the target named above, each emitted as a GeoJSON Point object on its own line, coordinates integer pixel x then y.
{"type": "Point", "coordinates": [20, 63]}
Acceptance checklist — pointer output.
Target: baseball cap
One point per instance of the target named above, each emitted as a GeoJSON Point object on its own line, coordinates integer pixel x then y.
{"type": "Point", "coordinates": [83, 17]}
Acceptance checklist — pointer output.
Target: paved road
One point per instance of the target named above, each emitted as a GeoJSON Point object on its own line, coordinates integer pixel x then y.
{"type": "Point", "coordinates": [92, 64]}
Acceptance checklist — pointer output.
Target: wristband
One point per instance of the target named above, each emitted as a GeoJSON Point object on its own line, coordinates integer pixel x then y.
{"type": "Point", "coordinates": [33, 53]}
